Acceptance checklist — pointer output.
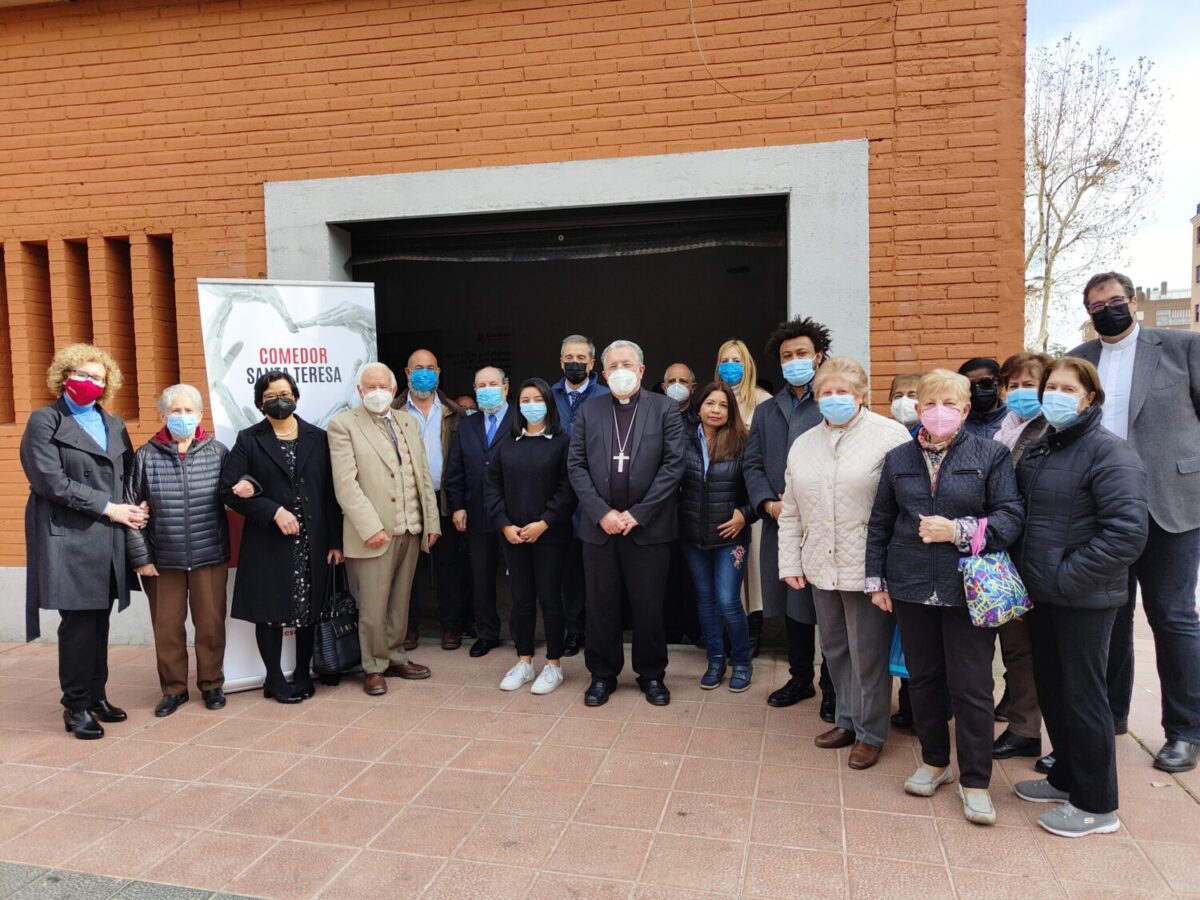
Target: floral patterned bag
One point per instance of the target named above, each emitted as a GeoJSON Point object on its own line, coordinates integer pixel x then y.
{"type": "Point", "coordinates": [995, 593]}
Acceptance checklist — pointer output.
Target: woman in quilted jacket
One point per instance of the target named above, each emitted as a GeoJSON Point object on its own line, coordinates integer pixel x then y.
{"type": "Point", "coordinates": [183, 556]}
{"type": "Point", "coordinates": [832, 474]}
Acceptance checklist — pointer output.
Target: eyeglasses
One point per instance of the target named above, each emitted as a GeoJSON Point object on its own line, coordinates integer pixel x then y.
{"type": "Point", "coordinates": [98, 380]}
{"type": "Point", "coordinates": [1107, 304]}
{"type": "Point", "coordinates": [286, 395]}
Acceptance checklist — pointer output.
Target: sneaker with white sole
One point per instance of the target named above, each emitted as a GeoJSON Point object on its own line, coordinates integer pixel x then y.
{"type": "Point", "coordinates": [521, 673]}
{"type": "Point", "coordinates": [548, 679]}
{"type": "Point", "coordinates": [1071, 822]}
{"type": "Point", "coordinates": [1040, 790]}
{"type": "Point", "coordinates": [977, 806]}
{"type": "Point", "coordinates": [922, 783]}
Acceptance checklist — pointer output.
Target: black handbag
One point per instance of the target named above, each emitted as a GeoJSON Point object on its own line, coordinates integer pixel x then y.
{"type": "Point", "coordinates": [335, 644]}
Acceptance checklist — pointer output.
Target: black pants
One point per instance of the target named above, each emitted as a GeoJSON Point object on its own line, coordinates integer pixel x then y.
{"type": "Point", "coordinates": [1070, 656]}
{"type": "Point", "coordinates": [485, 557]}
{"type": "Point", "coordinates": [447, 580]}
{"type": "Point", "coordinates": [83, 657]}
{"type": "Point", "coordinates": [680, 612]}
{"type": "Point", "coordinates": [643, 572]}
{"type": "Point", "coordinates": [574, 588]}
{"type": "Point", "coordinates": [801, 649]}
{"type": "Point", "coordinates": [535, 576]}
{"type": "Point", "coordinates": [945, 652]}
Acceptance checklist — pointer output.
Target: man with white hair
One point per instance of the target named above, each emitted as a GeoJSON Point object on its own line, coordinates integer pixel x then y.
{"type": "Point", "coordinates": [382, 481]}
{"type": "Point", "coordinates": [625, 464]}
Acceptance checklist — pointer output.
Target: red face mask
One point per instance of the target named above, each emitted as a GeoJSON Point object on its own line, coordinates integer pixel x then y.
{"type": "Point", "coordinates": [83, 391]}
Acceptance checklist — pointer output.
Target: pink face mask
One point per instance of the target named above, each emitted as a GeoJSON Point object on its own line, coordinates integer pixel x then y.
{"type": "Point", "coordinates": [82, 390]}
{"type": "Point", "coordinates": [940, 421]}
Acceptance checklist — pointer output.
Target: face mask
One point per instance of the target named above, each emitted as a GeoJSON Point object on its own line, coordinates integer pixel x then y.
{"type": "Point", "coordinates": [838, 409]}
{"type": "Point", "coordinates": [470, 412]}
{"type": "Point", "coordinates": [904, 411]}
{"type": "Point", "coordinates": [1112, 320]}
{"type": "Point", "coordinates": [489, 398]}
{"type": "Point", "coordinates": [534, 413]}
{"type": "Point", "coordinates": [1060, 410]}
{"type": "Point", "coordinates": [798, 371]}
{"type": "Point", "coordinates": [378, 400]}
{"type": "Point", "coordinates": [940, 421]}
{"type": "Point", "coordinates": [1024, 402]}
{"type": "Point", "coordinates": [279, 409]}
{"type": "Point", "coordinates": [678, 392]}
{"type": "Point", "coordinates": [731, 373]}
{"type": "Point", "coordinates": [423, 380]}
{"type": "Point", "coordinates": [622, 381]}
{"type": "Point", "coordinates": [983, 399]}
{"type": "Point", "coordinates": [83, 391]}
{"type": "Point", "coordinates": [182, 425]}
{"type": "Point", "coordinates": [576, 372]}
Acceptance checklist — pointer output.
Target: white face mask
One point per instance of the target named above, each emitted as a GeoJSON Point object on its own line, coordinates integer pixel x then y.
{"type": "Point", "coordinates": [622, 382]}
{"type": "Point", "coordinates": [904, 411]}
{"type": "Point", "coordinates": [678, 392]}
{"type": "Point", "coordinates": [377, 401]}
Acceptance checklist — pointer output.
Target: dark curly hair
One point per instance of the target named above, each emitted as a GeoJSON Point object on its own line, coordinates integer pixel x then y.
{"type": "Point", "coordinates": [264, 381]}
{"type": "Point", "coordinates": [806, 327]}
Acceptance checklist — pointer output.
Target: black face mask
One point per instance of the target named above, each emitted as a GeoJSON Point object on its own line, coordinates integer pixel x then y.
{"type": "Point", "coordinates": [279, 409]}
{"type": "Point", "coordinates": [576, 372]}
{"type": "Point", "coordinates": [1112, 320]}
{"type": "Point", "coordinates": [983, 399]}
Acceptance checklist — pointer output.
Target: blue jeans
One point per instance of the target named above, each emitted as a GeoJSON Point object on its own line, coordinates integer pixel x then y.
{"type": "Point", "coordinates": [717, 575]}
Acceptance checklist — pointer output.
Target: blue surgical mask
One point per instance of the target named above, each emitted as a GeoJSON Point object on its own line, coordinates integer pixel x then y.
{"type": "Point", "coordinates": [182, 425]}
{"type": "Point", "coordinates": [1024, 402]}
{"type": "Point", "coordinates": [1061, 410]}
{"type": "Point", "coordinates": [731, 373]}
{"type": "Point", "coordinates": [534, 413]}
{"type": "Point", "coordinates": [838, 409]}
{"type": "Point", "coordinates": [798, 371]}
{"type": "Point", "coordinates": [424, 380]}
{"type": "Point", "coordinates": [489, 398]}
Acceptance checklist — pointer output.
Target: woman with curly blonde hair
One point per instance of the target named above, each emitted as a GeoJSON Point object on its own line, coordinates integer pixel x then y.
{"type": "Point", "coordinates": [77, 456]}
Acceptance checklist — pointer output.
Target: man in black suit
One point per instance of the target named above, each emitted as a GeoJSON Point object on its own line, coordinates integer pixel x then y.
{"type": "Point", "coordinates": [470, 455]}
{"type": "Point", "coordinates": [625, 464]}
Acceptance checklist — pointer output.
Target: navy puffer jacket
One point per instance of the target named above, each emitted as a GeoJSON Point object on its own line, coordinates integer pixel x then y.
{"type": "Point", "coordinates": [708, 501]}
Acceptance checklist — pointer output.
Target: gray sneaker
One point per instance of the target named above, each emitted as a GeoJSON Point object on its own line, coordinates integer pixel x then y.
{"type": "Point", "coordinates": [1067, 821]}
{"type": "Point", "coordinates": [1040, 790]}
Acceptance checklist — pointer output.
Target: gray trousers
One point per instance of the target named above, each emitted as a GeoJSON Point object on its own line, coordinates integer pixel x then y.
{"type": "Point", "coordinates": [856, 638]}
{"type": "Point", "coordinates": [1024, 714]}
{"type": "Point", "coordinates": [382, 585]}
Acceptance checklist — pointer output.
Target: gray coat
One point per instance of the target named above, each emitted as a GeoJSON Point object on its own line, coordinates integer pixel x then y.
{"type": "Point", "coordinates": [74, 555]}
{"type": "Point", "coordinates": [777, 423]}
{"type": "Point", "coordinates": [1164, 421]}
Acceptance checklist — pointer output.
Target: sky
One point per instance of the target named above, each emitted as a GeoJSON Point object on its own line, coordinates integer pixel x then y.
{"type": "Point", "coordinates": [1166, 32]}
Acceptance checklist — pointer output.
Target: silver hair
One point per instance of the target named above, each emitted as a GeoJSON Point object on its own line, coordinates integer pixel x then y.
{"type": "Point", "coordinates": [622, 345]}
{"type": "Point", "coordinates": [503, 374]}
{"type": "Point", "coordinates": [166, 397]}
{"type": "Point", "coordinates": [577, 339]}
{"type": "Point", "coordinates": [691, 371]}
{"type": "Point", "coordinates": [365, 367]}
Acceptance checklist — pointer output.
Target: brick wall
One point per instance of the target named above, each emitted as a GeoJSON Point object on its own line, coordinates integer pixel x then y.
{"type": "Point", "coordinates": [135, 138]}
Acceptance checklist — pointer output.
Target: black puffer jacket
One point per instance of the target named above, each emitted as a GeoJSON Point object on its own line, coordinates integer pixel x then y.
{"type": "Point", "coordinates": [187, 526]}
{"type": "Point", "coordinates": [976, 479]}
{"type": "Point", "coordinates": [706, 502]}
{"type": "Point", "coordinates": [1085, 515]}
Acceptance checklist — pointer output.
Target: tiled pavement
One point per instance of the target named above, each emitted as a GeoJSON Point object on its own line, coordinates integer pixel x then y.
{"type": "Point", "coordinates": [451, 788]}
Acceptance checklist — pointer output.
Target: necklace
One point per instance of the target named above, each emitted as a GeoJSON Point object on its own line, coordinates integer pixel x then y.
{"type": "Point", "coordinates": [284, 435]}
{"type": "Point", "coordinates": [621, 458]}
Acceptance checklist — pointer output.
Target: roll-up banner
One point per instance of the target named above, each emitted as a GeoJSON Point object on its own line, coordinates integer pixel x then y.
{"type": "Point", "coordinates": [320, 333]}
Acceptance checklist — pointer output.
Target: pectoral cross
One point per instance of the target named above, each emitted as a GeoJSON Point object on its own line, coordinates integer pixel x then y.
{"type": "Point", "coordinates": [620, 458]}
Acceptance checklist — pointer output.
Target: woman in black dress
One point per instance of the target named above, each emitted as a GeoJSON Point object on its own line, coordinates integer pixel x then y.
{"type": "Point", "coordinates": [278, 476]}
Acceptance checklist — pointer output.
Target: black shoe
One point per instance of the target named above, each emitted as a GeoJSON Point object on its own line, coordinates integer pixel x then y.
{"type": "Point", "coordinates": [828, 708]}
{"type": "Point", "coordinates": [656, 692]}
{"type": "Point", "coordinates": [106, 712]}
{"type": "Point", "coordinates": [1001, 712]}
{"type": "Point", "coordinates": [483, 645]}
{"type": "Point", "coordinates": [303, 687]}
{"type": "Point", "coordinates": [214, 698]}
{"type": "Point", "coordinates": [1045, 764]}
{"type": "Point", "coordinates": [169, 703]}
{"type": "Point", "coordinates": [281, 696]}
{"type": "Point", "coordinates": [1120, 727]}
{"type": "Point", "coordinates": [901, 721]}
{"type": "Point", "coordinates": [573, 644]}
{"type": "Point", "coordinates": [791, 694]}
{"type": "Point", "coordinates": [82, 725]}
{"type": "Point", "coordinates": [1177, 756]}
{"type": "Point", "coordinates": [1009, 745]}
{"type": "Point", "coordinates": [597, 693]}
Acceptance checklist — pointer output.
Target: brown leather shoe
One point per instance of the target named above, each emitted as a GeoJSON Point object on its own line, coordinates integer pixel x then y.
{"type": "Point", "coordinates": [411, 638]}
{"type": "Point", "coordinates": [834, 737]}
{"type": "Point", "coordinates": [863, 755]}
{"type": "Point", "coordinates": [375, 685]}
{"type": "Point", "coordinates": [410, 670]}
{"type": "Point", "coordinates": [451, 639]}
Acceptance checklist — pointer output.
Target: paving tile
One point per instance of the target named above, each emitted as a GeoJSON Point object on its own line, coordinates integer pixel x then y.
{"type": "Point", "coordinates": [238, 733]}
{"type": "Point", "coordinates": [705, 815]}
{"type": "Point", "coordinates": [511, 841]}
{"type": "Point", "coordinates": [453, 722]}
{"type": "Point", "coordinates": [352, 823]}
{"type": "Point", "coordinates": [271, 814]}
{"type": "Point", "coordinates": [185, 762]}
{"type": "Point", "coordinates": [297, 737]}
{"type": "Point", "coordinates": [493, 756]}
{"type": "Point", "coordinates": [251, 768]}
{"type": "Point", "coordinates": [1179, 865]}
{"type": "Point", "coordinates": [653, 770]}
{"type": "Point", "coordinates": [319, 776]}
{"type": "Point", "coordinates": [527, 796]}
{"type": "Point", "coordinates": [14, 821]}
{"type": "Point", "coordinates": [787, 872]}
{"type": "Point", "coordinates": [566, 763]}
{"type": "Point", "coordinates": [461, 880]}
{"type": "Point", "coordinates": [60, 791]}
{"type": "Point", "coordinates": [124, 757]}
{"type": "Point", "coordinates": [716, 776]}
{"type": "Point", "coordinates": [15, 777]}
{"type": "Point", "coordinates": [695, 863]}
{"type": "Point", "coordinates": [506, 726]}
{"type": "Point", "coordinates": [472, 791]}
{"type": "Point", "coordinates": [425, 749]}
{"type": "Point", "coordinates": [373, 870]}
{"type": "Point", "coordinates": [553, 886]}
{"type": "Point", "coordinates": [796, 785]}
{"type": "Point", "coordinates": [358, 743]}
{"type": "Point", "coordinates": [795, 750]}
{"type": "Point", "coordinates": [679, 712]}
{"type": "Point", "coordinates": [743, 717]}
{"type": "Point", "coordinates": [1001, 849]}
{"type": "Point", "coordinates": [1148, 820]}
{"type": "Point", "coordinates": [970, 884]}
{"type": "Point", "coordinates": [601, 852]}
{"type": "Point", "coordinates": [432, 832]}
{"type": "Point", "coordinates": [911, 838]}
{"type": "Point", "coordinates": [577, 732]}
{"type": "Point", "coordinates": [333, 712]}
{"type": "Point", "coordinates": [797, 825]}
{"type": "Point", "coordinates": [292, 870]}
{"type": "Point", "coordinates": [628, 807]}
{"type": "Point", "coordinates": [894, 879]}
{"type": "Point", "coordinates": [885, 793]}
{"type": "Point", "coordinates": [649, 737]}
{"type": "Point", "coordinates": [58, 838]}
{"type": "Point", "coordinates": [724, 743]}
{"type": "Point", "coordinates": [131, 849]}
{"type": "Point", "coordinates": [389, 782]}
{"type": "Point", "coordinates": [1111, 860]}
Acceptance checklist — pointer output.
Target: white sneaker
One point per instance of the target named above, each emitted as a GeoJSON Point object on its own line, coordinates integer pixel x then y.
{"type": "Point", "coordinates": [548, 679]}
{"type": "Point", "coordinates": [521, 673]}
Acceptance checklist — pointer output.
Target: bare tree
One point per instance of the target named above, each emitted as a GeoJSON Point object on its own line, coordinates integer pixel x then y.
{"type": "Point", "coordinates": [1091, 164]}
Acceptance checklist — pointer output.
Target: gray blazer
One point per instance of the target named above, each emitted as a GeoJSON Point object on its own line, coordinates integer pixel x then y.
{"type": "Point", "coordinates": [1164, 421]}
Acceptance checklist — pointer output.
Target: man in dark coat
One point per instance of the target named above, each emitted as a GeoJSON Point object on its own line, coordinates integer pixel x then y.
{"type": "Point", "coordinates": [625, 464]}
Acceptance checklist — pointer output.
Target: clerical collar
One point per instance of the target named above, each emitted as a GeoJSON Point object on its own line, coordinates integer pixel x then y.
{"type": "Point", "coordinates": [630, 399]}
{"type": "Point", "coordinates": [1126, 342]}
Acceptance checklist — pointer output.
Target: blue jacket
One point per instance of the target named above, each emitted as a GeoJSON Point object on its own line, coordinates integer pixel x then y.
{"type": "Point", "coordinates": [467, 470]}
{"type": "Point", "coordinates": [566, 415]}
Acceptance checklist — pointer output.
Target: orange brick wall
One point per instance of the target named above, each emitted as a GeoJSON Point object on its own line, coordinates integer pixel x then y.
{"type": "Point", "coordinates": [122, 122]}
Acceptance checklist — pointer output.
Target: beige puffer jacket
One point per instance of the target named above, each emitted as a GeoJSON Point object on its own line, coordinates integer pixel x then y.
{"type": "Point", "coordinates": [832, 475]}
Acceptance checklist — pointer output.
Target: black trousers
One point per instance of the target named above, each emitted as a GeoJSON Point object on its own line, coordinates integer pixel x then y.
{"type": "Point", "coordinates": [535, 577]}
{"type": "Point", "coordinates": [945, 652]}
{"type": "Point", "coordinates": [680, 612]}
{"type": "Point", "coordinates": [1070, 657]}
{"type": "Point", "coordinates": [801, 649]}
{"type": "Point", "coordinates": [83, 657]}
{"type": "Point", "coordinates": [574, 588]}
{"type": "Point", "coordinates": [642, 570]}
{"type": "Point", "coordinates": [445, 559]}
{"type": "Point", "coordinates": [485, 557]}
